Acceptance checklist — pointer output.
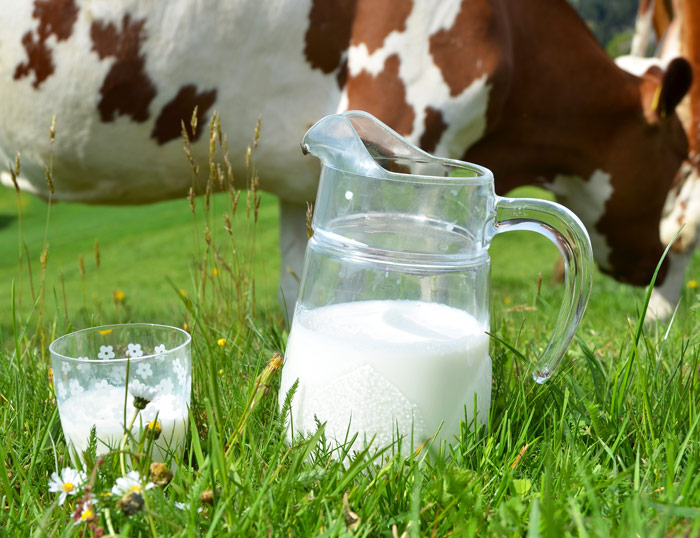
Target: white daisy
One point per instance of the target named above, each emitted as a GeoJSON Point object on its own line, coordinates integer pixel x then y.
{"type": "Point", "coordinates": [85, 512]}
{"type": "Point", "coordinates": [144, 370]}
{"type": "Point", "coordinates": [68, 483]}
{"type": "Point", "coordinates": [183, 506]}
{"type": "Point", "coordinates": [142, 393]}
{"type": "Point", "coordinates": [134, 350]}
{"type": "Point", "coordinates": [106, 352]}
{"type": "Point", "coordinates": [131, 482]}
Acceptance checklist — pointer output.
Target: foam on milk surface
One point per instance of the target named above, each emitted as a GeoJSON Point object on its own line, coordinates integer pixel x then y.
{"type": "Point", "coordinates": [386, 364]}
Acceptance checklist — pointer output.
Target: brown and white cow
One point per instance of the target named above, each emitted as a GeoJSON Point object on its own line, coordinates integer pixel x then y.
{"type": "Point", "coordinates": [676, 26]}
{"type": "Point", "coordinates": [520, 86]}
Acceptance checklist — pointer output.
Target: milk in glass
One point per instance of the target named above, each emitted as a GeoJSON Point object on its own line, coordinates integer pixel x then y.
{"type": "Point", "coordinates": [104, 408]}
{"type": "Point", "coordinates": [381, 366]}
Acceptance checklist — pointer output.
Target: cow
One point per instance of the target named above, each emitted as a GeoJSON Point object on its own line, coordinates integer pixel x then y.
{"type": "Point", "coordinates": [519, 86]}
{"type": "Point", "coordinates": [676, 25]}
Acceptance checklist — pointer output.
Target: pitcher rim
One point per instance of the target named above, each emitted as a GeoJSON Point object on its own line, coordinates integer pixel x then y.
{"type": "Point", "coordinates": [485, 177]}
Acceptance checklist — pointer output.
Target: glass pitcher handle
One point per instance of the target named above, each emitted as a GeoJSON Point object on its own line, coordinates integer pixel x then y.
{"type": "Point", "coordinates": [565, 230]}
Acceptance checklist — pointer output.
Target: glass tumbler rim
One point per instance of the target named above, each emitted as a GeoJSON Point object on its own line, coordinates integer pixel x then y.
{"type": "Point", "coordinates": [61, 356]}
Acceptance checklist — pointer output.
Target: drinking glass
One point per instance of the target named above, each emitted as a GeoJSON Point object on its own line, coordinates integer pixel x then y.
{"type": "Point", "coordinates": [118, 377]}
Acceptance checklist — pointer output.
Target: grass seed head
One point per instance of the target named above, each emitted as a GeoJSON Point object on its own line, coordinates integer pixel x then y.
{"type": "Point", "coordinates": [193, 121]}
{"type": "Point", "coordinates": [160, 474]}
{"type": "Point", "coordinates": [97, 253]}
{"type": "Point", "coordinates": [49, 179]}
{"type": "Point", "coordinates": [130, 503]}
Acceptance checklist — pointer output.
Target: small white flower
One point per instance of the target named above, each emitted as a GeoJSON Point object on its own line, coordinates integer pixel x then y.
{"type": "Point", "coordinates": [68, 483]}
{"type": "Point", "coordinates": [166, 386]}
{"type": "Point", "coordinates": [106, 352]}
{"type": "Point", "coordinates": [144, 370]}
{"type": "Point", "coordinates": [180, 371]}
{"type": "Point", "coordinates": [183, 506]}
{"type": "Point", "coordinates": [61, 390]}
{"type": "Point", "coordinates": [159, 349]}
{"type": "Point", "coordinates": [66, 367]}
{"type": "Point", "coordinates": [131, 482]}
{"type": "Point", "coordinates": [102, 384]}
{"type": "Point", "coordinates": [87, 511]}
{"type": "Point", "coordinates": [84, 368]}
{"type": "Point", "coordinates": [142, 393]}
{"type": "Point", "coordinates": [117, 374]}
{"type": "Point", "coordinates": [75, 387]}
{"type": "Point", "coordinates": [134, 350]}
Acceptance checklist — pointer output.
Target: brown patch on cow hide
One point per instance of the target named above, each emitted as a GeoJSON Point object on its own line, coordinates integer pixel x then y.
{"type": "Point", "coordinates": [178, 110]}
{"type": "Point", "coordinates": [126, 89]}
{"type": "Point", "coordinates": [434, 127]}
{"type": "Point", "coordinates": [384, 96]}
{"type": "Point", "coordinates": [328, 34]}
{"type": "Point", "coordinates": [56, 17]}
{"type": "Point", "coordinates": [342, 76]}
{"type": "Point", "coordinates": [374, 21]}
{"type": "Point", "coordinates": [466, 51]}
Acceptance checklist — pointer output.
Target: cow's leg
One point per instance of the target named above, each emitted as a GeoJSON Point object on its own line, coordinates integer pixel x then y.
{"type": "Point", "coordinates": [292, 246]}
{"type": "Point", "coordinates": [642, 28]}
{"type": "Point", "coordinates": [665, 297]}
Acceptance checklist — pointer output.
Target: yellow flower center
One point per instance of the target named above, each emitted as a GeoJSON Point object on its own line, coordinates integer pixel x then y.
{"type": "Point", "coordinates": [87, 514]}
{"type": "Point", "coordinates": [136, 488]}
{"type": "Point", "coordinates": [67, 487]}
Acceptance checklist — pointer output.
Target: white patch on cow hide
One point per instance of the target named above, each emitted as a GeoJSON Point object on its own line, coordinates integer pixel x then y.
{"type": "Point", "coordinates": [682, 207]}
{"type": "Point", "coordinates": [443, 15]}
{"type": "Point", "coordinates": [587, 199]}
{"type": "Point", "coordinates": [636, 65]}
{"type": "Point", "coordinates": [250, 52]}
{"type": "Point", "coordinates": [465, 114]}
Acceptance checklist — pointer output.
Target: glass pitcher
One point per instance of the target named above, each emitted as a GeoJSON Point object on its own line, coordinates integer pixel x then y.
{"type": "Point", "coordinates": [389, 336]}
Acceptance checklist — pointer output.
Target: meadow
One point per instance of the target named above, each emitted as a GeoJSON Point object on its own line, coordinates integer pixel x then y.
{"type": "Point", "coordinates": [609, 447]}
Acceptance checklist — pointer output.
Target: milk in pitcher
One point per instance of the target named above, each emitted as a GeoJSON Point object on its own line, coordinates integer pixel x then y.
{"type": "Point", "coordinates": [381, 366]}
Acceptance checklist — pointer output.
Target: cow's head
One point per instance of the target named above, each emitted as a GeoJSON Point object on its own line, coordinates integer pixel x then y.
{"type": "Point", "coordinates": [644, 155]}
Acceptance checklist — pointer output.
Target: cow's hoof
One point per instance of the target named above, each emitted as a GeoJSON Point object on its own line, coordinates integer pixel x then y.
{"type": "Point", "coordinates": [659, 308]}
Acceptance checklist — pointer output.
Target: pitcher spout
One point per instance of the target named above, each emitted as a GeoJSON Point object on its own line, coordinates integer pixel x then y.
{"type": "Point", "coordinates": [357, 142]}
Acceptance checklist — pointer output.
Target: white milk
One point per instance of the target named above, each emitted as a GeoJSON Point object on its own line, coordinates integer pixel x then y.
{"type": "Point", "coordinates": [104, 408]}
{"type": "Point", "coordinates": [381, 365]}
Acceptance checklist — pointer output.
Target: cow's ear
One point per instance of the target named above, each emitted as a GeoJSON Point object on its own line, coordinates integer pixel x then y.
{"type": "Point", "coordinates": [674, 85]}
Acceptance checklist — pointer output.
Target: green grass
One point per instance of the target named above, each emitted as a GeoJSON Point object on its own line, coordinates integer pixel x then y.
{"type": "Point", "coordinates": [142, 249]}
{"type": "Point", "coordinates": [609, 447]}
